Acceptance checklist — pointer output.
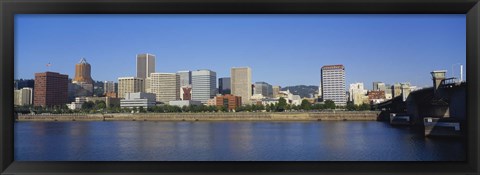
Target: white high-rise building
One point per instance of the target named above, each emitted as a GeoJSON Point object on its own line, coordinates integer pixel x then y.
{"type": "Point", "coordinates": [23, 96]}
{"type": "Point", "coordinates": [204, 85]}
{"type": "Point", "coordinates": [241, 83]}
{"type": "Point", "coordinates": [145, 65]}
{"type": "Point", "coordinates": [130, 85]}
{"type": "Point", "coordinates": [357, 93]}
{"type": "Point", "coordinates": [333, 84]}
{"type": "Point", "coordinates": [165, 86]}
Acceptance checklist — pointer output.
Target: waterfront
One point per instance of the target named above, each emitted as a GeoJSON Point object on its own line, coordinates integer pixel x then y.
{"type": "Point", "coordinates": [229, 141]}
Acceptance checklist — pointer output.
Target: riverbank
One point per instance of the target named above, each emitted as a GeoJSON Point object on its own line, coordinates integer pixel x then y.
{"type": "Point", "coordinates": [238, 116]}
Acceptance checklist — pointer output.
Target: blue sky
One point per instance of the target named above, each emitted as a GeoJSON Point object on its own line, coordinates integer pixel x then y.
{"type": "Point", "coordinates": [282, 50]}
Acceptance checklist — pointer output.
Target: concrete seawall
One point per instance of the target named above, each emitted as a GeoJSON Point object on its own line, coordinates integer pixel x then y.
{"type": "Point", "coordinates": [239, 116]}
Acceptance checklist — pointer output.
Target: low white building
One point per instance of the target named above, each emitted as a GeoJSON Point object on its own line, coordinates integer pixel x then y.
{"type": "Point", "coordinates": [269, 101]}
{"type": "Point", "coordinates": [74, 106]}
{"type": "Point", "coordinates": [138, 99]}
{"type": "Point", "coordinates": [291, 98]}
{"type": "Point", "coordinates": [181, 103]}
{"type": "Point", "coordinates": [77, 104]}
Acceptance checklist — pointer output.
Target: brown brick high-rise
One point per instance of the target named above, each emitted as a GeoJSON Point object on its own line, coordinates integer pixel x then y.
{"type": "Point", "coordinates": [51, 89]}
{"type": "Point", "coordinates": [83, 72]}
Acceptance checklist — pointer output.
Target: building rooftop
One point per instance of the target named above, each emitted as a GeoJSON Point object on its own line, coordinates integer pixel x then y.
{"type": "Point", "coordinates": [83, 61]}
{"type": "Point", "coordinates": [337, 66]}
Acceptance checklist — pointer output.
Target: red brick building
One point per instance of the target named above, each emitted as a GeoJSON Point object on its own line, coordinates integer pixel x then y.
{"type": "Point", "coordinates": [376, 95]}
{"type": "Point", "coordinates": [51, 89]}
{"type": "Point", "coordinates": [229, 101]}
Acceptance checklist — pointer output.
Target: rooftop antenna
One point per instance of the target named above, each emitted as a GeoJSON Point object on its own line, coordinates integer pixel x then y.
{"type": "Point", "coordinates": [461, 72]}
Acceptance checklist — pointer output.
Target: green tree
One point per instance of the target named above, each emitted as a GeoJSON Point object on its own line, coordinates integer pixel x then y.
{"type": "Point", "coordinates": [350, 106]}
{"type": "Point", "coordinates": [305, 105]}
{"type": "Point", "coordinates": [282, 104]}
{"type": "Point", "coordinates": [100, 105]}
{"type": "Point", "coordinates": [134, 109]}
{"type": "Point", "coordinates": [329, 104]}
{"type": "Point", "coordinates": [260, 107]}
{"type": "Point", "coordinates": [141, 109]}
{"type": "Point", "coordinates": [365, 107]}
{"type": "Point", "coordinates": [87, 105]}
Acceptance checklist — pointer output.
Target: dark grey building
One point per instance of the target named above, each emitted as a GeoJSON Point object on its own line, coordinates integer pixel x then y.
{"type": "Point", "coordinates": [19, 84]}
{"type": "Point", "coordinates": [224, 85]}
{"type": "Point", "coordinates": [263, 88]}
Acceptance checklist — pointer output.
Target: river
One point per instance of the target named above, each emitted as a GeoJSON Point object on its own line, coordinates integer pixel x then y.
{"type": "Point", "coordinates": [229, 141]}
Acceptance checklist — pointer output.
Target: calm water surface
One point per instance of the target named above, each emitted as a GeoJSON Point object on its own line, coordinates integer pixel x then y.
{"type": "Point", "coordinates": [259, 141]}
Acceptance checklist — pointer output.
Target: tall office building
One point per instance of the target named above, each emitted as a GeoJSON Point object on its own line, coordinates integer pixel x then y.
{"type": "Point", "coordinates": [185, 77]}
{"type": "Point", "coordinates": [23, 96]}
{"type": "Point", "coordinates": [379, 86]}
{"type": "Point", "coordinates": [224, 85]}
{"type": "Point", "coordinates": [333, 84]}
{"type": "Point", "coordinates": [82, 84]}
{"type": "Point", "coordinates": [145, 65]}
{"type": "Point", "coordinates": [396, 90]}
{"type": "Point", "coordinates": [22, 83]}
{"type": "Point", "coordinates": [204, 83]}
{"type": "Point", "coordinates": [130, 85]}
{"type": "Point", "coordinates": [357, 92]}
{"type": "Point", "coordinates": [275, 91]}
{"type": "Point", "coordinates": [108, 87]}
{"type": "Point", "coordinates": [185, 84]}
{"type": "Point", "coordinates": [83, 72]}
{"type": "Point", "coordinates": [165, 86]}
{"type": "Point", "coordinates": [148, 83]}
{"type": "Point", "coordinates": [241, 83]}
{"type": "Point", "coordinates": [51, 89]}
{"type": "Point", "coordinates": [263, 88]}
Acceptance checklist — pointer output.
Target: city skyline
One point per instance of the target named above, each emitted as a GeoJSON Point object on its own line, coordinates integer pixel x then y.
{"type": "Point", "coordinates": [445, 44]}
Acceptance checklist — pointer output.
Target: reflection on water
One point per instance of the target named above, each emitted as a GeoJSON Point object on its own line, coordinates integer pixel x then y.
{"type": "Point", "coordinates": [249, 141]}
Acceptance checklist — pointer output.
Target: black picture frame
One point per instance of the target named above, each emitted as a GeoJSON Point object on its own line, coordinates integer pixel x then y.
{"type": "Point", "coordinates": [8, 8]}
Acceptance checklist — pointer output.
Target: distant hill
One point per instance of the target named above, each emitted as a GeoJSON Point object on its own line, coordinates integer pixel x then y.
{"type": "Point", "coordinates": [302, 90]}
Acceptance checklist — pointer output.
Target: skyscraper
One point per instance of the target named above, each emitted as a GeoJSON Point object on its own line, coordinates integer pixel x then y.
{"type": "Point", "coordinates": [130, 85]}
{"type": "Point", "coordinates": [224, 85]}
{"type": "Point", "coordinates": [145, 65]}
{"type": "Point", "coordinates": [185, 84]}
{"type": "Point", "coordinates": [396, 90]}
{"type": "Point", "coordinates": [165, 86]}
{"type": "Point", "coordinates": [108, 86]}
{"type": "Point", "coordinates": [82, 82]}
{"type": "Point", "coordinates": [204, 83]}
{"type": "Point", "coordinates": [185, 77]}
{"type": "Point", "coordinates": [263, 88]}
{"type": "Point", "coordinates": [333, 84]}
{"type": "Point", "coordinates": [379, 86]}
{"type": "Point", "coordinates": [241, 83]}
{"type": "Point", "coordinates": [83, 72]}
{"type": "Point", "coordinates": [51, 89]}
{"type": "Point", "coordinates": [109, 89]}
{"type": "Point", "coordinates": [357, 93]}
{"type": "Point", "coordinates": [276, 91]}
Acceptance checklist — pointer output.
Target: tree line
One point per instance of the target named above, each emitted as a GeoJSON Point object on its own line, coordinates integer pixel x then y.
{"type": "Point", "coordinates": [281, 106]}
